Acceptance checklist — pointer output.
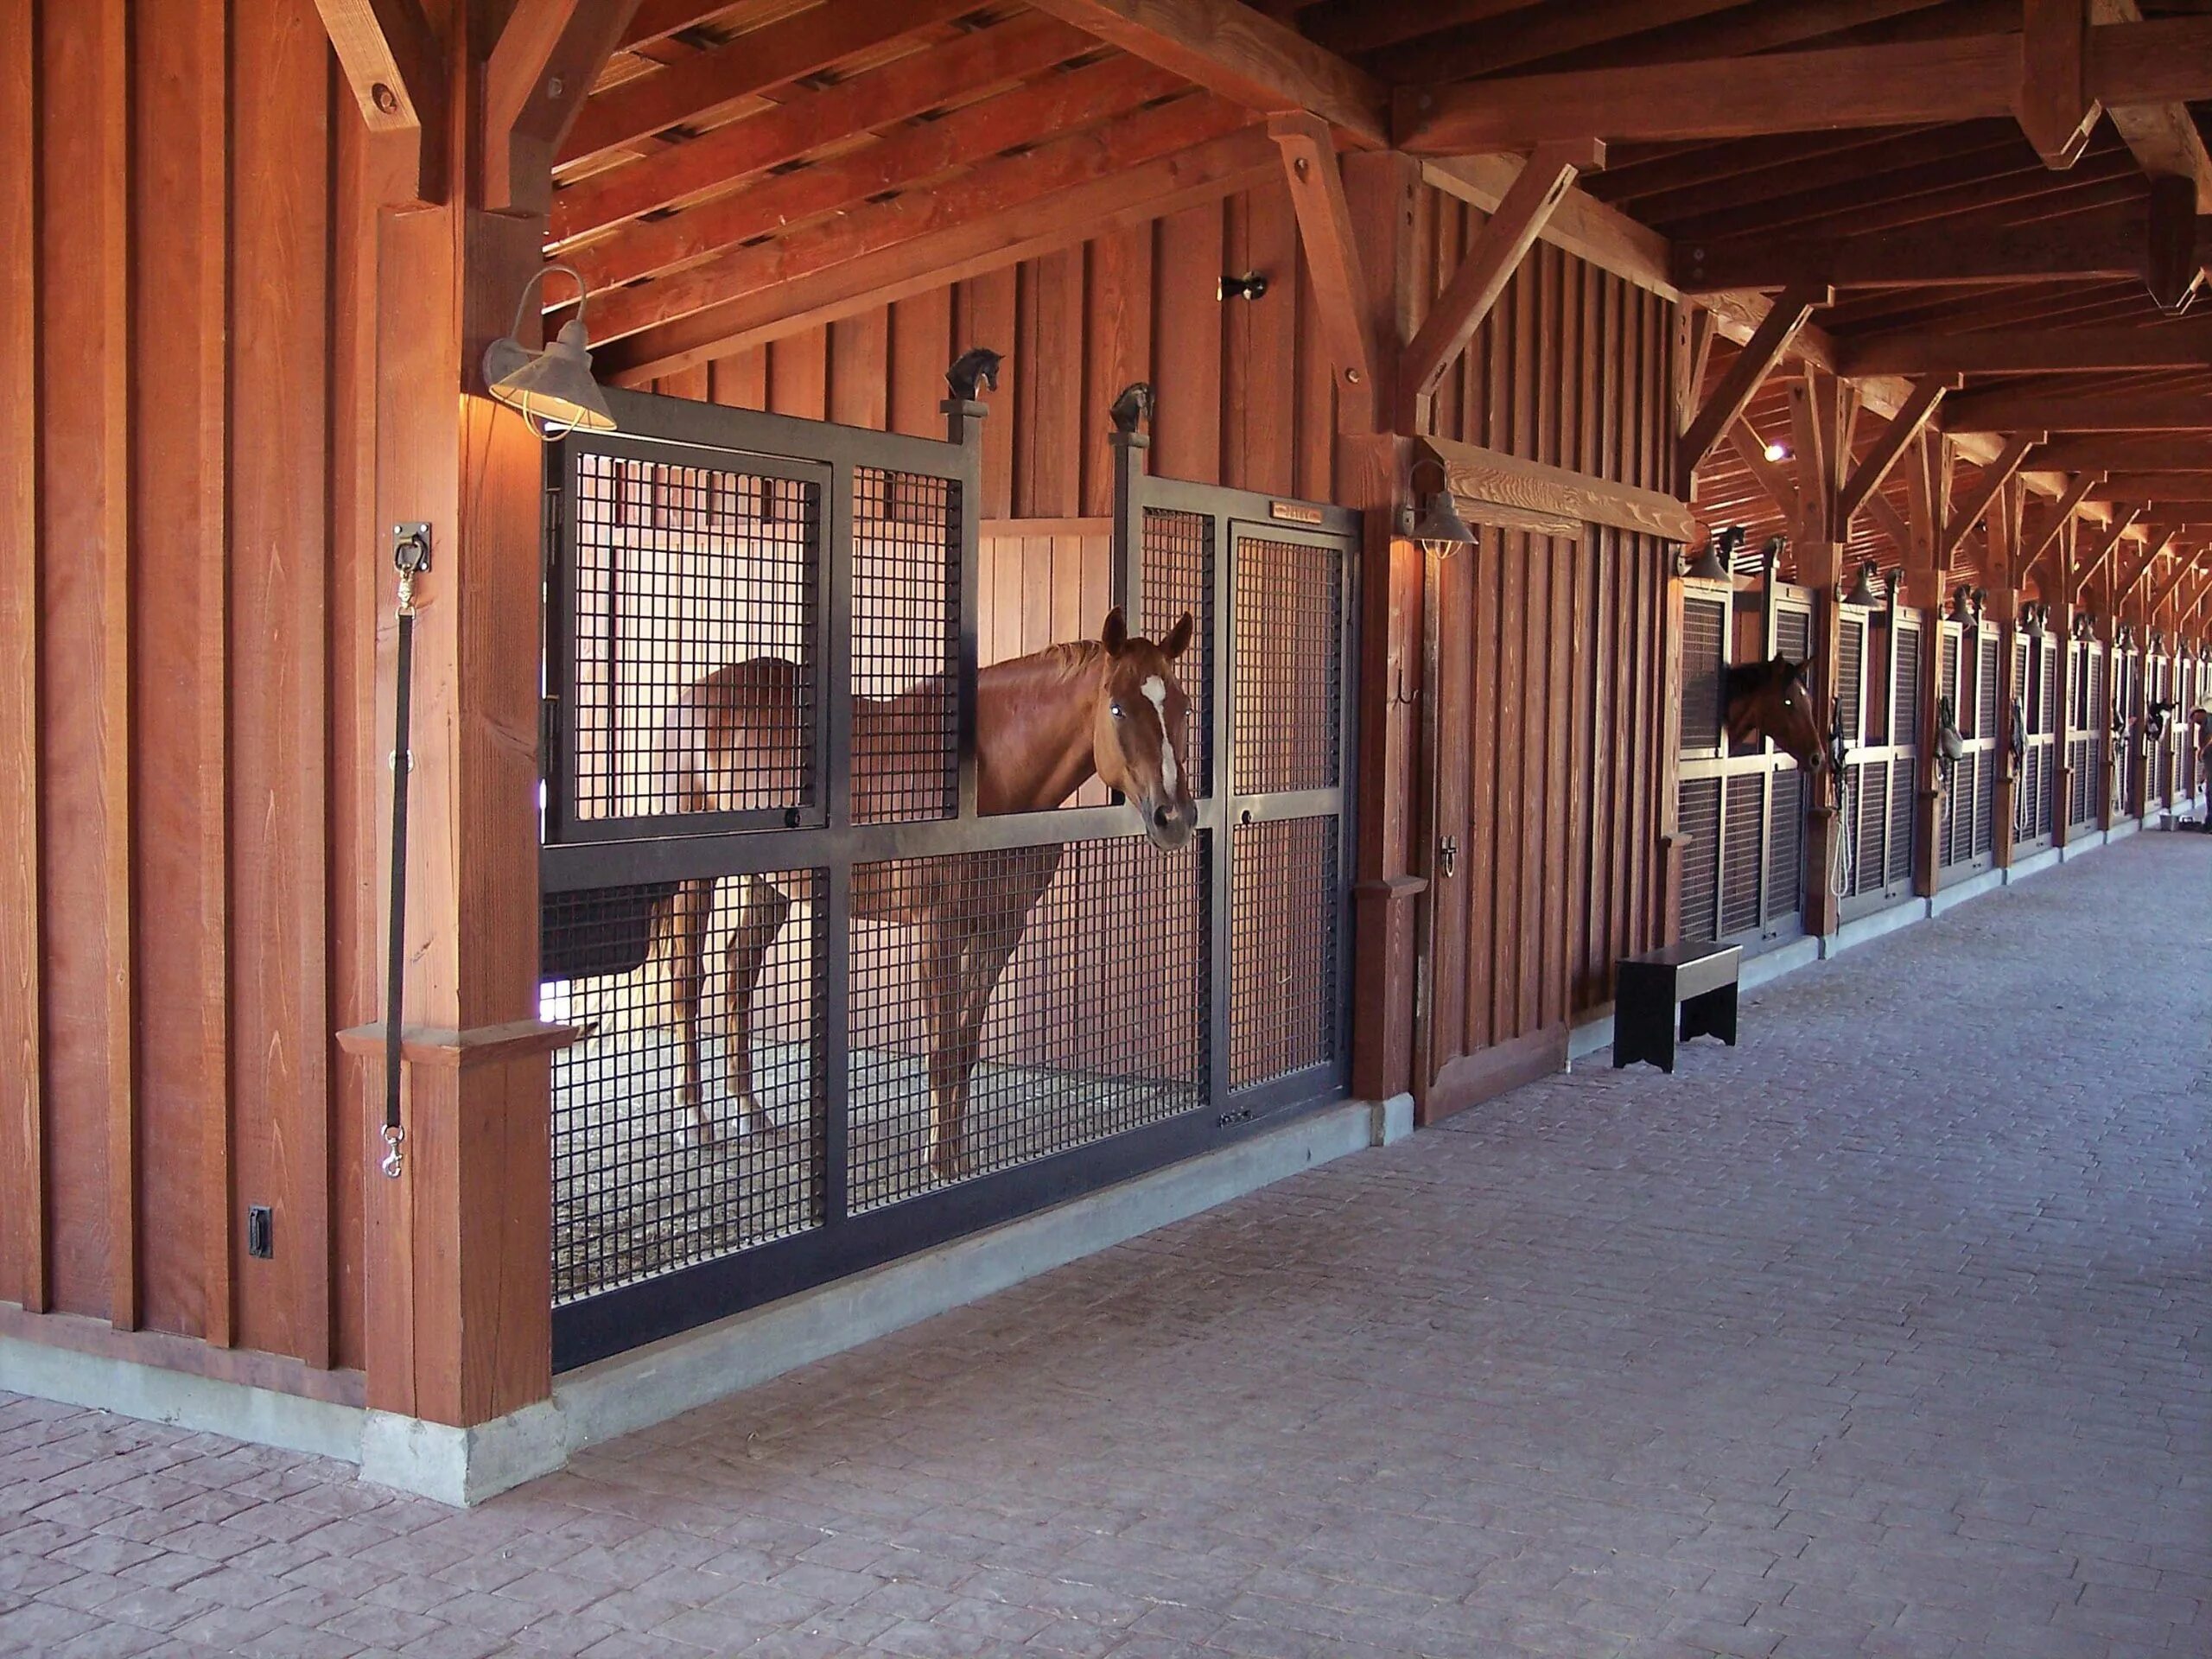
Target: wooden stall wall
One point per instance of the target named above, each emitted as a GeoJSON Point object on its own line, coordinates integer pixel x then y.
{"type": "Point", "coordinates": [186, 892]}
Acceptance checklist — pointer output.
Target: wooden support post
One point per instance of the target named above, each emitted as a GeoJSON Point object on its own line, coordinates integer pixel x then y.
{"type": "Point", "coordinates": [2056, 110]}
{"type": "Point", "coordinates": [459, 1326]}
{"type": "Point", "coordinates": [1371, 242]}
{"type": "Point", "coordinates": [2001, 579]}
{"type": "Point", "coordinates": [1749, 371]}
{"type": "Point", "coordinates": [1545, 178]}
{"type": "Point", "coordinates": [1820, 566]}
{"type": "Point", "coordinates": [2058, 634]}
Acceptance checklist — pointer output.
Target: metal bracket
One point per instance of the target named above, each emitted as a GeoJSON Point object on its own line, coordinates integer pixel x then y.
{"type": "Point", "coordinates": [410, 549]}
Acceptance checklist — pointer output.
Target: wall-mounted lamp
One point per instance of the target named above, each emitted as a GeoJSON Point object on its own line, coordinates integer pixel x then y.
{"type": "Point", "coordinates": [1964, 610]}
{"type": "Point", "coordinates": [2085, 627]}
{"type": "Point", "coordinates": [1714, 563]}
{"type": "Point", "coordinates": [1251, 286]}
{"type": "Point", "coordinates": [1440, 521]}
{"type": "Point", "coordinates": [2034, 619]}
{"type": "Point", "coordinates": [553, 388]}
{"type": "Point", "coordinates": [1862, 586]}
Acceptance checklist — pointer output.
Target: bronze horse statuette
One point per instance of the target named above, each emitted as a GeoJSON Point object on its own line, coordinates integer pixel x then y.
{"type": "Point", "coordinates": [1045, 724]}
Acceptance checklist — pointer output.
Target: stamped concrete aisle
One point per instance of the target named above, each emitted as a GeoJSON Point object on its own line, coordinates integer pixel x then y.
{"type": "Point", "coordinates": [1883, 1334]}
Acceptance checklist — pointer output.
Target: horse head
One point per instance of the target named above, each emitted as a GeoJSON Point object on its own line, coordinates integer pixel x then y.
{"type": "Point", "coordinates": [1772, 700]}
{"type": "Point", "coordinates": [1141, 730]}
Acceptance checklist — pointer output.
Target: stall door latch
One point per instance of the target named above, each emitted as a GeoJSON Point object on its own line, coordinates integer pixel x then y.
{"type": "Point", "coordinates": [1447, 856]}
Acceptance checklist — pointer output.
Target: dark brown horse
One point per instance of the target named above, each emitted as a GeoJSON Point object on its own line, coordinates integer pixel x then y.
{"type": "Point", "coordinates": [1045, 725]}
{"type": "Point", "coordinates": [1772, 700]}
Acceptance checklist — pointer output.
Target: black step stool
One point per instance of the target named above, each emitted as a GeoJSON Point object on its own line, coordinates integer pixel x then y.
{"type": "Point", "coordinates": [1696, 976]}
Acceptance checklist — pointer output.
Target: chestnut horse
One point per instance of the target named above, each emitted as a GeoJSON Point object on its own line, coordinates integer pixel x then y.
{"type": "Point", "coordinates": [1045, 725]}
{"type": "Point", "coordinates": [1772, 700]}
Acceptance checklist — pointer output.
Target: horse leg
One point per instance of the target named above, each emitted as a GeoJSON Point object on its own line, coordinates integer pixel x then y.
{"type": "Point", "coordinates": [688, 911]}
{"type": "Point", "coordinates": [941, 989]}
{"type": "Point", "coordinates": [763, 910]}
{"type": "Point", "coordinates": [997, 933]}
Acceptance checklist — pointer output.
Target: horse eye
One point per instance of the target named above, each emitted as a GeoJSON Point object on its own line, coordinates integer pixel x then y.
{"type": "Point", "coordinates": [1115, 709]}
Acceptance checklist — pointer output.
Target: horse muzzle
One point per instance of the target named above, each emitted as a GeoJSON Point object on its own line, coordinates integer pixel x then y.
{"type": "Point", "coordinates": [1169, 824]}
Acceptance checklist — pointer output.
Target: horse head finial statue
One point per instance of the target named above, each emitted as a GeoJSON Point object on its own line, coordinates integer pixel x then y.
{"type": "Point", "coordinates": [1772, 700]}
{"type": "Point", "coordinates": [971, 369]}
{"type": "Point", "coordinates": [1134, 405]}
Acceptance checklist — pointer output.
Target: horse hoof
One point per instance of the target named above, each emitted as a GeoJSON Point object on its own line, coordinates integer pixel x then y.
{"type": "Point", "coordinates": [699, 1134]}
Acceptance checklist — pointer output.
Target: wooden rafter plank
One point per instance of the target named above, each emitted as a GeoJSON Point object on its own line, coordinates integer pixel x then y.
{"type": "Point", "coordinates": [2105, 244]}
{"type": "Point", "coordinates": [1749, 371]}
{"type": "Point", "coordinates": [1952, 79]}
{"type": "Point", "coordinates": [2090, 555]}
{"type": "Point", "coordinates": [1534, 33]}
{"type": "Point", "coordinates": [911, 155]}
{"type": "Point", "coordinates": [535, 87]}
{"type": "Point", "coordinates": [2057, 111]}
{"type": "Point", "coordinates": [965, 244]}
{"type": "Point", "coordinates": [2032, 351]}
{"type": "Point", "coordinates": [1475, 286]}
{"type": "Point", "coordinates": [799, 45]}
{"type": "Point", "coordinates": [1342, 299]}
{"type": "Point", "coordinates": [1242, 55]}
{"type": "Point", "coordinates": [985, 191]}
{"type": "Point", "coordinates": [395, 67]}
{"type": "Point", "coordinates": [896, 91]}
{"type": "Point", "coordinates": [1988, 485]}
{"type": "Point", "coordinates": [1889, 446]}
{"type": "Point", "coordinates": [2001, 409]}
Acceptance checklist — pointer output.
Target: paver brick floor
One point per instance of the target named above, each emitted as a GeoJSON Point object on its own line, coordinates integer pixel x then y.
{"type": "Point", "coordinates": [1883, 1334]}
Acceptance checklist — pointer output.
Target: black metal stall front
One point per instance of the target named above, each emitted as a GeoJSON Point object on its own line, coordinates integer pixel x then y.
{"type": "Point", "coordinates": [1152, 1004]}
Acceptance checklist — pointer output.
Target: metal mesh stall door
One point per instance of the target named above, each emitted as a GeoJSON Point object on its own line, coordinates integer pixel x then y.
{"type": "Point", "coordinates": [905, 646]}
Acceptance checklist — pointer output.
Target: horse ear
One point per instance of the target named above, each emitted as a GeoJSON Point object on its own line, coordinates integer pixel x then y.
{"type": "Point", "coordinates": [1177, 640]}
{"type": "Point", "coordinates": [1115, 634]}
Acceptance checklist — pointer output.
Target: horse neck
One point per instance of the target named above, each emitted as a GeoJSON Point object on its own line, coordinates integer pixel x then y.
{"type": "Point", "coordinates": [1032, 728]}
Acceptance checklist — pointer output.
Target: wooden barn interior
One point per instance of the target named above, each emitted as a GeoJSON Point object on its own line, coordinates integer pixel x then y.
{"type": "Point", "coordinates": [1804, 327]}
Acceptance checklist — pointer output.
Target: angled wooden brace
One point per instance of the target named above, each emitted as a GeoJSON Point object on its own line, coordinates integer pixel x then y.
{"type": "Point", "coordinates": [2053, 107]}
{"type": "Point", "coordinates": [1893, 524]}
{"type": "Point", "coordinates": [1695, 328]}
{"type": "Point", "coordinates": [1545, 179]}
{"type": "Point", "coordinates": [2157, 541]}
{"type": "Point", "coordinates": [2183, 565]}
{"type": "Point", "coordinates": [2047, 540]}
{"type": "Point", "coordinates": [1889, 446]}
{"type": "Point", "coordinates": [1324, 227]}
{"type": "Point", "coordinates": [393, 62]}
{"type": "Point", "coordinates": [547, 57]}
{"type": "Point", "coordinates": [2091, 559]}
{"type": "Point", "coordinates": [1993, 479]}
{"type": "Point", "coordinates": [1772, 476]}
{"type": "Point", "coordinates": [1749, 371]}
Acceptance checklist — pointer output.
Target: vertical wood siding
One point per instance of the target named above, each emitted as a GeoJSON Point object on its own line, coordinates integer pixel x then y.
{"type": "Point", "coordinates": [185, 912]}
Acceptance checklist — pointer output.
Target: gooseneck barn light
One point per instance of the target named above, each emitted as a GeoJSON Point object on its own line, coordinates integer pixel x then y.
{"type": "Point", "coordinates": [1862, 589]}
{"type": "Point", "coordinates": [554, 388]}
{"type": "Point", "coordinates": [1440, 519]}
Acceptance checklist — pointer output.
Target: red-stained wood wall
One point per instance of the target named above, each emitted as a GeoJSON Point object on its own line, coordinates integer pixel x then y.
{"type": "Point", "coordinates": [187, 810]}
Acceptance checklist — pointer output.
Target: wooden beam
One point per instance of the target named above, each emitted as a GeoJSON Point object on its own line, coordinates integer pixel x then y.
{"type": "Point", "coordinates": [1927, 501]}
{"type": "Point", "coordinates": [2090, 559]}
{"type": "Point", "coordinates": [2183, 565]}
{"type": "Point", "coordinates": [964, 246]}
{"type": "Point", "coordinates": [1036, 179]}
{"type": "Point", "coordinates": [1341, 298]}
{"type": "Point", "coordinates": [2160, 536]}
{"type": "Point", "coordinates": [1983, 491]}
{"type": "Point", "coordinates": [1889, 446]}
{"type": "Point", "coordinates": [1488, 476]}
{"type": "Point", "coordinates": [2162, 137]}
{"type": "Point", "coordinates": [2108, 245]}
{"type": "Point", "coordinates": [1475, 286]}
{"type": "Point", "coordinates": [2056, 110]}
{"type": "Point", "coordinates": [2124, 452]}
{"type": "Point", "coordinates": [914, 85]}
{"type": "Point", "coordinates": [703, 82]}
{"type": "Point", "coordinates": [2158, 489]}
{"type": "Point", "coordinates": [1749, 371]}
{"type": "Point", "coordinates": [1897, 84]}
{"type": "Point", "coordinates": [535, 87]}
{"type": "Point", "coordinates": [395, 67]}
{"type": "Point", "coordinates": [1242, 54]}
{"type": "Point", "coordinates": [1581, 225]}
{"type": "Point", "coordinates": [2176, 243]}
{"type": "Point", "coordinates": [1894, 524]}
{"type": "Point", "coordinates": [2000, 409]}
{"type": "Point", "coordinates": [910, 156]}
{"type": "Point", "coordinates": [2032, 351]}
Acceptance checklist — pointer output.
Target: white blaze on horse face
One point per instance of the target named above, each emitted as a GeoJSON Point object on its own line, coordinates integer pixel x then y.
{"type": "Point", "coordinates": [1156, 692]}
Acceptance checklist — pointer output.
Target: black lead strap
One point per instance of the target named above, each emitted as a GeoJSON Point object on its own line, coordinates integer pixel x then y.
{"type": "Point", "coordinates": [411, 556]}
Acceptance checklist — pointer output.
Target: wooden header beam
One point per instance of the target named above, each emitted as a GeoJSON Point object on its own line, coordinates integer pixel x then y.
{"type": "Point", "coordinates": [1900, 84]}
{"type": "Point", "coordinates": [2031, 351]}
{"type": "Point", "coordinates": [2000, 409]}
{"type": "Point", "coordinates": [2110, 243]}
{"type": "Point", "coordinates": [1242, 55]}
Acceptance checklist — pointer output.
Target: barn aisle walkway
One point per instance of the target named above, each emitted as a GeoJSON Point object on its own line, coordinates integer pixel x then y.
{"type": "Point", "coordinates": [1885, 1334]}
